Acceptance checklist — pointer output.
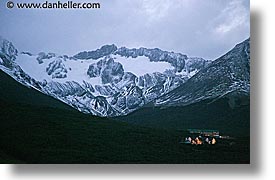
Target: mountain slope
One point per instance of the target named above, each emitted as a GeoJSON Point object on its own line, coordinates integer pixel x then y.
{"type": "Point", "coordinates": [229, 74]}
{"type": "Point", "coordinates": [217, 97]}
{"type": "Point", "coordinates": [206, 114]}
{"type": "Point", "coordinates": [109, 81]}
{"type": "Point", "coordinates": [14, 92]}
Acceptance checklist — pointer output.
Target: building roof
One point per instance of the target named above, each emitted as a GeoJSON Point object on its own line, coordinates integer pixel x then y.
{"type": "Point", "coordinates": [203, 130]}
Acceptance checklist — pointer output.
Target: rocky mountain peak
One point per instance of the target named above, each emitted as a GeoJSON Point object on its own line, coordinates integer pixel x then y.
{"type": "Point", "coordinates": [229, 73]}
{"type": "Point", "coordinates": [8, 52]}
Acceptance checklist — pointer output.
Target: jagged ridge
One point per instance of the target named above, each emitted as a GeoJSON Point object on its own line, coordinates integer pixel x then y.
{"type": "Point", "coordinates": [98, 82]}
{"type": "Point", "coordinates": [228, 75]}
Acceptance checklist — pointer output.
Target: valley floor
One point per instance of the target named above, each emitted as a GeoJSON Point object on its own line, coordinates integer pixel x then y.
{"type": "Point", "coordinates": [50, 135]}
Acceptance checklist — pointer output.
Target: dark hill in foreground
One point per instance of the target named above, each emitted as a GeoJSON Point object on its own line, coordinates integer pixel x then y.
{"type": "Point", "coordinates": [14, 92]}
{"type": "Point", "coordinates": [35, 128]}
{"type": "Point", "coordinates": [221, 114]}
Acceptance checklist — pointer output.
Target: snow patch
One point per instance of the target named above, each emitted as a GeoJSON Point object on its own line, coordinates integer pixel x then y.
{"type": "Point", "coordinates": [141, 65]}
{"type": "Point", "coordinates": [76, 69]}
{"type": "Point", "coordinates": [30, 66]}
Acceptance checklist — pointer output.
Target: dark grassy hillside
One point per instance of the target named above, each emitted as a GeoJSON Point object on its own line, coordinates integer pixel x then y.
{"type": "Point", "coordinates": [35, 128]}
{"type": "Point", "coordinates": [46, 135]}
{"type": "Point", "coordinates": [207, 114]}
{"type": "Point", "coordinates": [12, 91]}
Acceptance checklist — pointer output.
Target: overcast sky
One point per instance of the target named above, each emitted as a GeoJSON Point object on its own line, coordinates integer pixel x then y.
{"type": "Point", "coordinates": [202, 28]}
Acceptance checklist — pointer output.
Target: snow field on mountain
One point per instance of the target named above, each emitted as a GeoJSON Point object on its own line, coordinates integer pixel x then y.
{"type": "Point", "coordinates": [141, 65]}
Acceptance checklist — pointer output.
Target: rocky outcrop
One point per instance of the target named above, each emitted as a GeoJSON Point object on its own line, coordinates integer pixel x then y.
{"type": "Point", "coordinates": [41, 56]}
{"type": "Point", "coordinates": [99, 53]}
{"type": "Point", "coordinates": [109, 70]}
{"type": "Point", "coordinates": [8, 53]}
{"type": "Point", "coordinates": [57, 69]}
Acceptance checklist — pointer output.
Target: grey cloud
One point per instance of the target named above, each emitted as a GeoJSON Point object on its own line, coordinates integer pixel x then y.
{"type": "Point", "coordinates": [201, 28]}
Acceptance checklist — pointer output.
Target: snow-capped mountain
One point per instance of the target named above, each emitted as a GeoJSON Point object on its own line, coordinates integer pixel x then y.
{"type": "Point", "coordinates": [109, 81]}
{"type": "Point", "coordinates": [229, 75]}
